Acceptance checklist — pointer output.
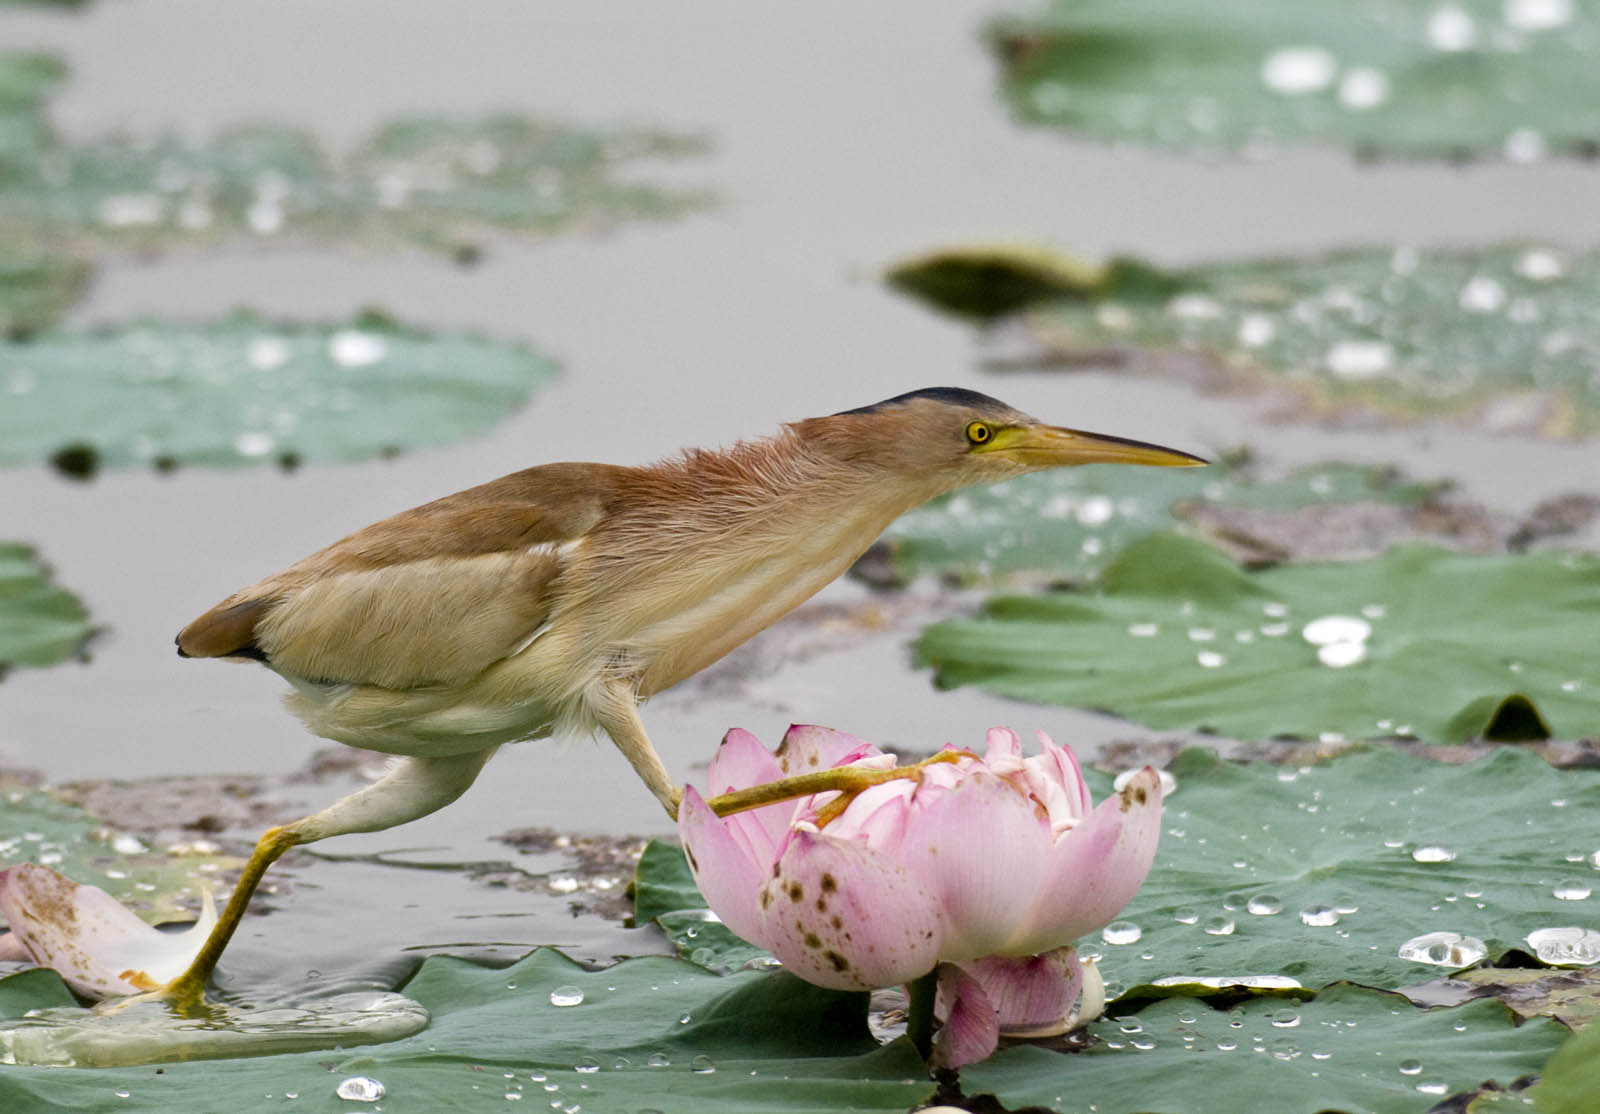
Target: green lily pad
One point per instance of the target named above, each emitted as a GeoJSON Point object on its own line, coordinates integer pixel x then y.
{"type": "Point", "coordinates": [1323, 872]}
{"type": "Point", "coordinates": [1418, 643]}
{"type": "Point", "coordinates": [26, 82]}
{"type": "Point", "coordinates": [664, 891]}
{"type": "Point", "coordinates": [1500, 337]}
{"type": "Point", "coordinates": [40, 622]}
{"type": "Point", "coordinates": [1571, 1079]}
{"type": "Point", "coordinates": [244, 390]}
{"type": "Point", "coordinates": [1350, 1049]}
{"type": "Point", "coordinates": [1069, 523]}
{"type": "Point", "coordinates": [35, 289]}
{"type": "Point", "coordinates": [1408, 78]}
{"type": "Point", "coordinates": [434, 182]}
{"type": "Point", "coordinates": [649, 1033]}
{"type": "Point", "coordinates": [160, 884]}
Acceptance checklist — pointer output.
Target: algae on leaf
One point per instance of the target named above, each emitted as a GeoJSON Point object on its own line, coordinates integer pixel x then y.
{"type": "Point", "coordinates": [246, 390]}
{"type": "Point", "coordinates": [1418, 643]}
{"type": "Point", "coordinates": [41, 623]}
{"type": "Point", "coordinates": [1399, 78]}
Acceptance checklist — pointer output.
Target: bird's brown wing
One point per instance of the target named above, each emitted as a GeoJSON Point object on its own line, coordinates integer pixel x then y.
{"type": "Point", "coordinates": [433, 595]}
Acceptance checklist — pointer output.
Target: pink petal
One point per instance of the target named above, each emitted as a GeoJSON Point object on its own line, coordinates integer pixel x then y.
{"type": "Point", "coordinates": [983, 851]}
{"type": "Point", "coordinates": [1055, 779]}
{"type": "Point", "coordinates": [807, 747]}
{"type": "Point", "coordinates": [877, 817]}
{"type": "Point", "coordinates": [1095, 869]}
{"type": "Point", "coordinates": [1004, 755]}
{"type": "Point", "coordinates": [97, 946]}
{"type": "Point", "coordinates": [725, 871]}
{"type": "Point", "coordinates": [971, 1028]}
{"type": "Point", "coordinates": [842, 916]}
{"type": "Point", "coordinates": [12, 951]}
{"type": "Point", "coordinates": [740, 762]}
{"type": "Point", "coordinates": [1032, 995]}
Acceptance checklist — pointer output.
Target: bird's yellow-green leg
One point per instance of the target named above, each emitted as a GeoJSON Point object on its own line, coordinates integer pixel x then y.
{"type": "Point", "coordinates": [188, 989]}
{"type": "Point", "coordinates": [412, 787]}
{"type": "Point", "coordinates": [849, 781]}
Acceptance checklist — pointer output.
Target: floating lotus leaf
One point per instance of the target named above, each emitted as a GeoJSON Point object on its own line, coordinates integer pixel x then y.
{"type": "Point", "coordinates": [35, 289]}
{"type": "Point", "coordinates": [40, 623]}
{"type": "Point", "coordinates": [246, 390]}
{"type": "Point", "coordinates": [1408, 78]}
{"type": "Point", "coordinates": [1070, 522]}
{"type": "Point", "coordinates": [441, 183]}
{"type": "Point", "coordinates": [1501, 337]}
{"type": "Point", "coordinates": [26, 82]}
{"type": "Point", "coordinates": [1418, 643]}
{"type": "Point", "coordinates": [1350, 1050]}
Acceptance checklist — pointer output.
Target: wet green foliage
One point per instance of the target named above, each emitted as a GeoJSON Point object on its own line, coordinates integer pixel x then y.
{"type": "Point", "coordinates": [1419, 642]}
{"type": "Point", "coordinates": [1501, 337]}
{"type": "Point", "coordinates": [441, 183]}
{"type": "Point", "coordinates": [246, 390]}
{"type": "Point", "coordinates": [41, 623]}
{"type": "Point", "coordinates": [1069, 523]}
{"type": "Point", "coordinates": [156, 883]}
{"type": "Point", "coordinates": [1405, 78]}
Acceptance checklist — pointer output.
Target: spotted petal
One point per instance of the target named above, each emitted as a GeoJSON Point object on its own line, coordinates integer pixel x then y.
{"type": "Point", "coordinates": [971, 1028]}
{"type": "Point", "coordinates": [1095, 869]}
{"type": "Point", "coordinates": [842, 916]}
{"type": "Point", "coordinates": [97, 946]}
{"type": "Point", "coordinates": [807, 747]}
{"type": "Point", "coordinates": [725, 871]}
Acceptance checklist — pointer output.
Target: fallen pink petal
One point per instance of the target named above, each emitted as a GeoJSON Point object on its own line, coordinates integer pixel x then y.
{"type": "Point", "coordinates": [986, 869]}
{"type": "Point", "coordinates": [98, 946]}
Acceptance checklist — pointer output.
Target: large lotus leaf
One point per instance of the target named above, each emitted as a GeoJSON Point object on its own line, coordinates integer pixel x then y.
{"type": "Point", "coordinates": [658, 1034]}
{"type": "Point", "coordinates": [1373, 848]}
{"type": "Point", "coordinates": [436, 182]}
{"type": "Point", "coordinates": [1413, 78]}
{"type": "Point", "coordinates": [244, 390]}
{"type": "Point", "coordinates": [1069, 523]}
{"type": "Point", "coordinates": [650, 1033]}
{"type": "Point", "coordinates": [1502, 336]}
{"type": "Point", "coordinates": [1349, 1050]}
{"type": "Point", "coordinates": [1571, 1080]}
{"type": "Point", "coordinates": [1418, 642]}
{"type": "Point", "coordinates": [40, 622]}
{"type": "Point", "coordinates": [158, 883]}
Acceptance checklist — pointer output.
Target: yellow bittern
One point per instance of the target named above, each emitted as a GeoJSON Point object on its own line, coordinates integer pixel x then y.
{"type": "Point", "coordinates": [557, 598]}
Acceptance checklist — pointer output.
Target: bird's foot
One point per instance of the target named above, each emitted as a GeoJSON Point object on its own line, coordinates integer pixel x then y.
{"type": "Point", "coordinates": [848, 781]}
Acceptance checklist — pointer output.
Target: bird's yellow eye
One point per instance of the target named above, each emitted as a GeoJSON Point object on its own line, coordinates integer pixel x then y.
{"type": "Point", "coordinates": [979, 432]}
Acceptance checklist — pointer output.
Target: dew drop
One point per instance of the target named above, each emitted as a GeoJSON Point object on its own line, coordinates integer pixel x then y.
{"type": "Point", "coordinates": [253, 443]}
{"type": "Point", "coordinates": [1256, 330]}
{"type": "Point", "coordinates": [1286, 1019]}
{"type": "Point", "coordinates": [1330, 629]}
{"type": "Point", "coordinates": [1319, 916]}
{"type": "Point", "coordinates": [1482, 294]}
{"type": "Point", "coordinates": [1121, 932]}
{"type": "Point", "coordinates": [587, 1066]}
{"type": "Point", "coordinates": [1538, 265]}
{"type": "Point", "coordinates": [658, 1060]}
{"type": "Point", "coordinates": [1340, 655]}
{"type": "Point", "coordinates": [1296, 70]}
{"type": "Point", "coordinates": [1537, 15]}
{"type": "Point", "coordinates": [354, 348]}
{"type": "Point", "coordinates": [1570, 889]}
{"type": "Point", "coordinates": [1233, 900]}
{"type": "Point", "coordinates": [1227, 1045]}
{"type": "Point", "coordinates": [1444, 949]}
{"type": "Point", "coordinates": [1566, 946]}
{"type": "Point", "coordinates": [1210, 659]}
{"type": "Point", "coordinates": [702, 1065]}
{"type": "Point", "coordinates": [1195, 307]}
{"type": "Point", "coordinates": [1410, 1067]}
{"type": "Point", "coordinates": [1202, 634]}
{"type": "Point", "coordinates": [566, 996]}
{"type": "Point", "coordinates": [1450, 29]}
{"type": "Point", "coordinates": [360, 1088]}
{"type": "Point", "coordinates": [1265, 905]}
{"type": "Point", "coordinates": [1144, 630]}
{"type": "Point", "coordinates": [1433, 855]}
{"type": "Point", "coordinates": [1274, 630]}
{"type": "Point", "coordinates": [1219, 926]}
{"type": "Point", "coordinates": [1186, 916]}
{"type": "Point", "coordinates": [1356, 360]}
{"type": "Point", "coordinates": [267, 353]}
{"type": "Point", "coordinates": [1362, 88]}
{"type": "Point", "coordinates": [1432, 1088]}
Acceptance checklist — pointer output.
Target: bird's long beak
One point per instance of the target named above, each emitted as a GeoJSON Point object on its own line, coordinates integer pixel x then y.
{"type": "Point", "coordinates": [1050, 446]}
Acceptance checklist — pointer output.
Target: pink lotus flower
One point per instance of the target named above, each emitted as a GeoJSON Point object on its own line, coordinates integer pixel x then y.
{"type": "Point", "coordinates": [987, 869]}
{"type": "Point", "coordinates": [98, 947]}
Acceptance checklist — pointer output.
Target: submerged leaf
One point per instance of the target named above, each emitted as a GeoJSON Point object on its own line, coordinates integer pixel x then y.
{"type": "Point", "coordinates": [1410, 78]}
{"type": "Point", "coordinates": [1178, 636]}
{"type": "Point", "coordinates": [246, 390]}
